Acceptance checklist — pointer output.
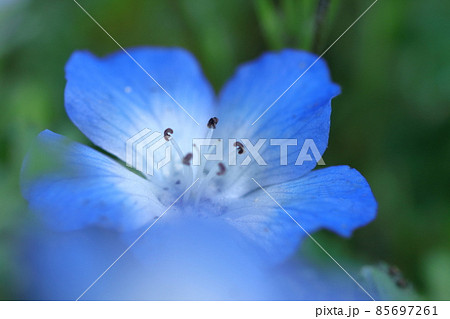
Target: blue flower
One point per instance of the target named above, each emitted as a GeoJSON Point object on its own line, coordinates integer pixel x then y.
{"type": "Point", "coordinates": [195, 263]}
{"type": "Point", "coordinates": [75, 187]}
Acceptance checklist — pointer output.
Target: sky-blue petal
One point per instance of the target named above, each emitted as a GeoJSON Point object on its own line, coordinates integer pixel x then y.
{"type": "Point", "coordinates": [111, 99]}
{"type": "Point", "coordinates": [73, 186]}
{"type": "Point", "coordinates": [337, 198]}
{"type": "Point", "coordinates": [270, 230]}
{"type": "Point", "coordinates": [303, 112]}
{"type": "Point", "coordinates": [180, 258]}
{"type": "Point", "coordinates": [190, 259]}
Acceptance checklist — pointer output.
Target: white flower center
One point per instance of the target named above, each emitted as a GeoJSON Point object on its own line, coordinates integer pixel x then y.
{"type": "Point", "coordinates": [205, 181]}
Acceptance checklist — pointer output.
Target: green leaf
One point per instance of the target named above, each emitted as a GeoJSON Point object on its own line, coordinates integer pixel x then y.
{"type": "Point", "coordinates": [270, 22]}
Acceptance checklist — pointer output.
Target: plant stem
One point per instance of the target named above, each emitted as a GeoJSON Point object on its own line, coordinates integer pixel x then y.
{"type": "Point", "coordinates": [321, 13]}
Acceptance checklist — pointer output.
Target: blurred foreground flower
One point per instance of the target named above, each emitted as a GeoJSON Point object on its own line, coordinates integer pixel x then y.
{"type": "Point", "coordinates": [225, 238]}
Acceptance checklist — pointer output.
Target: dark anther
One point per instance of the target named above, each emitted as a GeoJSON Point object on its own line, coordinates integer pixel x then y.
{"type": "Point", "coordinates": [212, 122]}
{"type": "Point", "coordinates": [222, 169]}
{"type": "Point", "coordinates": [187, 159]}
{"type": "Point", "coordinates": [167, 133]}
{"type": "Point", "coordinates": [397, 276]}
{"type": "Point", "coordinates": [394, 271]}
{"type": "Point", "coordinates": [240, 147]}
{"type": "Point", "coordinates": [401, 283]}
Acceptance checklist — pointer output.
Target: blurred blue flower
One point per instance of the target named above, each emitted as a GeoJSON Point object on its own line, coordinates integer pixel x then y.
{"type": "Point", "coordinates": [221, 238]}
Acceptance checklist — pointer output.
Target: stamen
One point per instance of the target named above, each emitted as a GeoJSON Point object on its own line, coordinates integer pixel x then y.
{"type": "Point", "coordinates": [212, 122]}
{"type": "Point", "coordinates": [222, 169]}
{"type": "Point", "coordinates": [206, 180]}
{"type": "Point", "coordinates": [239, 147]}
{"type": "Point", "coordinates": [187, 169]}
{"type": "Point", "coordinates": [168, 133]}
{"type": "Point", "coordinates": [187, 159]}
{"type": "Point", "coordinates": [234, 171]}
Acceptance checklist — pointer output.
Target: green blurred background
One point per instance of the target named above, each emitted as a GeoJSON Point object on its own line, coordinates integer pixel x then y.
{"type": "Point", "coordinates": [391, 122]}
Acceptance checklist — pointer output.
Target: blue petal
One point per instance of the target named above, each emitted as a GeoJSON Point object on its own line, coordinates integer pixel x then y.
{"type": "Point", "coordinates": [336, 198]}
{"type": "Point", "coordinates": [111, 99]}
{"type": "Point", "coordinates": [306, 280]}
{"type": "Point", "coordinates": [179, 258]}
{"type": "Point", "coordinates": [73, 186]}
{"type": "Point", "coordinates": [303, 112]}
{"type": "Point", "coordinates": [186, 260]}
{"type": "Point", "coordinates": [271, 231]}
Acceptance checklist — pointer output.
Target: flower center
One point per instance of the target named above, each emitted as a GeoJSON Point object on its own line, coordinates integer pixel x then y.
{"type": "Point", "coordinates": [206, 178]}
